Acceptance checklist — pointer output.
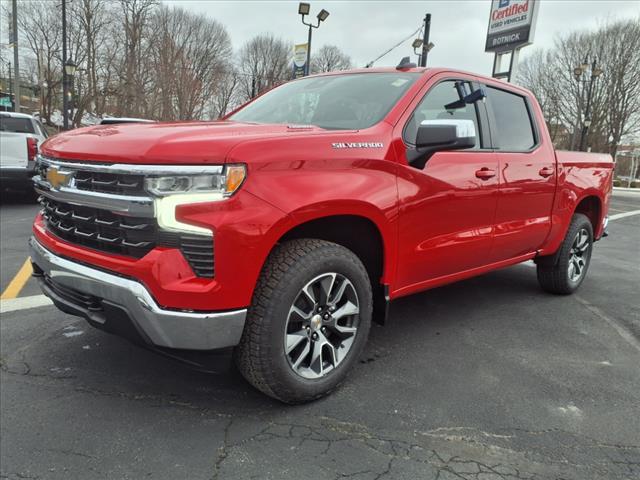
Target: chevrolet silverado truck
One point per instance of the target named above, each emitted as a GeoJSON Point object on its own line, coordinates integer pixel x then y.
{"type": "Point", "coordinates": [286, 228]}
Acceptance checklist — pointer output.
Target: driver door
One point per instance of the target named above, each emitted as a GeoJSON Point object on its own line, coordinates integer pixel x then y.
{"type": "Point", "coordinates": [447, 209]}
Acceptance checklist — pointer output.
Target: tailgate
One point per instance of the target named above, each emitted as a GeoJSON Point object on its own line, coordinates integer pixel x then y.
{"type": "Point", "coordinates": [13, 150]}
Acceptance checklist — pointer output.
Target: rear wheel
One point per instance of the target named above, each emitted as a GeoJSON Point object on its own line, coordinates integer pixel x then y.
{"type": "Point", "coordinates": [308, 322]}
{"type": "Point", "coordinates": [565, 271]}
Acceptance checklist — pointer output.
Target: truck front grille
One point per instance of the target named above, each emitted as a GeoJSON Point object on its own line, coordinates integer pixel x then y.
{"type": "Point", "coordinates": [107, 209]}
{"type": "Point", "coordinates": [99, 229]}
{"type": "Point", "coordinates": [103, 182]}
{"type": "Point", "coordinates": [119, 184]}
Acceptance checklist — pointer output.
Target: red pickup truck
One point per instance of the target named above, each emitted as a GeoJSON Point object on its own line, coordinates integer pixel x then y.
{"type": "Point", "coordinates": [286, 228]}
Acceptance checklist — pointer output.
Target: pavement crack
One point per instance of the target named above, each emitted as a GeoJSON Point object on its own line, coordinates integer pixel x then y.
{"type": "Point", "coordinates": [72, 453]}
{"type": "Point", "coordinates": [223, 451]}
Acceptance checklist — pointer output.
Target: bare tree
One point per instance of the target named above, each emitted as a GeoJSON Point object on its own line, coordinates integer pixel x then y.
{"type": "Point", "coordinates": [93, 19]}
{"type": "Point", "coordinates": [328, 59]}
{"type": "Point", "coordinates": [136, 16]}
{"type": "Point", "coordinates": [264, 63]}
{"type": "Point", "coordinates": [615, 101]}
{"type": "Point", "coordinates": [190, 54]}
{"type": "Point", "coordinates": [39, 24]}
{"type": "Point", "coordinates": [226, 95]}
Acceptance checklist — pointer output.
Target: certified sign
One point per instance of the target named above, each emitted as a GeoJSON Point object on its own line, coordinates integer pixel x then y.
{"type": "Point", "coordinates": [511, 24]}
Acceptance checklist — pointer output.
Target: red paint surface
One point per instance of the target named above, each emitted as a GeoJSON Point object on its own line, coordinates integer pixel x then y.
{"type": "Point", "coordinates": [438, 225]}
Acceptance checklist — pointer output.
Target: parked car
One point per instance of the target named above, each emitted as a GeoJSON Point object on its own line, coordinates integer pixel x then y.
{"type": "Point", "coordinates": [20, 136]}
{"type": "Point", "coordinates": [287, 228]}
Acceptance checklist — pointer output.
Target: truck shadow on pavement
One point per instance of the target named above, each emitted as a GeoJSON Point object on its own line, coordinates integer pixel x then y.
{"type": "Point", "coordinates": [95, 360]}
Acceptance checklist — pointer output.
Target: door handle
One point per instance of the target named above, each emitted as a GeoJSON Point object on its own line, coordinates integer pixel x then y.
{"type": "Point", "coordinates": [546, 172]}
{"type": "Point", "coordinates": [485, 173]}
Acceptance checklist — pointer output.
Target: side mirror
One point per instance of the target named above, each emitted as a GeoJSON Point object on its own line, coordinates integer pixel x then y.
{"type": "Point", "coordinates": [440, 135]}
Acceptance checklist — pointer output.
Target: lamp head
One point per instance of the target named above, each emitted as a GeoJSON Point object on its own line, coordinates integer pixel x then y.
{"type": "Point", "coordinates": [70, 67]}
{"type": "Point", "coordinates": [322, 16]}
{"type": "Point", "coordinates": [304, 8]}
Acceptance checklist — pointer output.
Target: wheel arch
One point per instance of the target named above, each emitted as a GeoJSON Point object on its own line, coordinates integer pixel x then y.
{"type": "Point", "coordinates": [364, 237]}
{"type": "Point", "coordinates": [591, 206]}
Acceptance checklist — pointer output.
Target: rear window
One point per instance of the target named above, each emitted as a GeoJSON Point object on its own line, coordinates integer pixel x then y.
{"type": "Point", "coordinates": [513, 129]}
{"type": "Point", "coordinates": [17, 125]}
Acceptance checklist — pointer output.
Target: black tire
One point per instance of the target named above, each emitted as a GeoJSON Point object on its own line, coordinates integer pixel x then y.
{"type": "Point", "coordinates": [554, 273]}
{"type": "Point", "coordinates": [261, 356]}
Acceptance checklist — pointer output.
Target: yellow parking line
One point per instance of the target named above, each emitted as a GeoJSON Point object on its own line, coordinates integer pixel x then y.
{"type": "Point", "coordinates": [18, 282]}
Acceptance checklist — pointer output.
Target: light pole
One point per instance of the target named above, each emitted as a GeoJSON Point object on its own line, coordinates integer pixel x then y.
{"type": "Point", "coordinates": [65, 86]}
{"type": "Point", "coordinates": [303, 9]}
{"type": "Point", "coordinates": [425, 40]}
{"type": "Point", "coordinates": [69, 71]}
{"type": "Point", "coordinates": [587, 80]}
{"type": "Point", "coordinates": [16, 64]}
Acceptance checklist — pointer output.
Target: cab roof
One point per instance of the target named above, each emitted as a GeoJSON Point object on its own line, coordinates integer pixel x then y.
{"type": "Point", "coordinates": [15, 115]}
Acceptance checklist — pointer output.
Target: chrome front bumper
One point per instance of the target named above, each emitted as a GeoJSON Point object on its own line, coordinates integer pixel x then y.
{"type": "Point", "coordinates": [158, 326]}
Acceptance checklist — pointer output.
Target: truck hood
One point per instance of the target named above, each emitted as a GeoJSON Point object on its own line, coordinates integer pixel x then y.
{"type": "Point", "coordinates": [161, 143]}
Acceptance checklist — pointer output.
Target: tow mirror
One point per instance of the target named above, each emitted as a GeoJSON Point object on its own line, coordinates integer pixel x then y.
{"type": "Point", "coordinates": [440, 135]}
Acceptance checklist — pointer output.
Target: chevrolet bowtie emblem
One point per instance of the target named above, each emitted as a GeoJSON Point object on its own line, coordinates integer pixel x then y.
{"type": "Point", "coordinates": [59, 178]}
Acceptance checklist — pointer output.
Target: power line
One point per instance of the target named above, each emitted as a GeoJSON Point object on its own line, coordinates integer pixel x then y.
{"type": "Point", "coordinates": [419, 29]}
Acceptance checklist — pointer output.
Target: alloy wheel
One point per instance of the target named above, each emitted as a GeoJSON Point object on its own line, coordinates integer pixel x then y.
{"type": "Point", "coordinates": [322, 325]}
{"type": "Point", "coordinates": [579, 255]}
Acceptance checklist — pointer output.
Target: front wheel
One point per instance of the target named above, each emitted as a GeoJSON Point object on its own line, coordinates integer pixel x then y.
{"type": "Point", "coordinates": [308, 322]}
{"type": "Point", "coordinates": [564, 272]}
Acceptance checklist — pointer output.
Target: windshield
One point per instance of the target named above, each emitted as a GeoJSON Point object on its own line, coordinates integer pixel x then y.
{"type": "Point", "coordinates": [15, 124]}
{"type": "Point", "coordinates": [341, 102]}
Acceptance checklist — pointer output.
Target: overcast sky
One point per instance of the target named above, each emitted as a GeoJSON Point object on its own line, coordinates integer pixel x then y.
{"type": "Point", "coordinates": [365, 29]}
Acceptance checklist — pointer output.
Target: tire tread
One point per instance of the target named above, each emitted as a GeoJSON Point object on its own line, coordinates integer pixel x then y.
{"type": "Point", "coordinates": [252, 355]}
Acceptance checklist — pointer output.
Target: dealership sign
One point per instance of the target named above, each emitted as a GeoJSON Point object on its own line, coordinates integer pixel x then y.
{"type": "Point", "coordinates": [300, 60]}
{"type": "Point", "coordinates": [511, 24]}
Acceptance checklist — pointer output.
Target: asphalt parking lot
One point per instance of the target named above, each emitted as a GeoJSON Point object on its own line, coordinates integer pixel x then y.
{"type": "Point", "coordinates": [485, 379]}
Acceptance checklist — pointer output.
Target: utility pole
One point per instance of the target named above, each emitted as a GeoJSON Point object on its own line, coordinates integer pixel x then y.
{"type": "Point", "coordinates": [10, 88]}
{"type": "Point", "coordinates": [16, 64]}
{"type": "Point", "coordinates": [425, 40]}
{"type": "Point", "coordinates": [65, 85]}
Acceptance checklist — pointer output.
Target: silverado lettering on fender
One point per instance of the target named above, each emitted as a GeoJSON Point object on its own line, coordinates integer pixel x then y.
{"type": "Point", "coordinates": [284, 241]}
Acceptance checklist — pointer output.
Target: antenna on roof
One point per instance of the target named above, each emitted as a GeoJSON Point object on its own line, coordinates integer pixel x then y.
{"type": "Point", "coordinates": [405, 63]}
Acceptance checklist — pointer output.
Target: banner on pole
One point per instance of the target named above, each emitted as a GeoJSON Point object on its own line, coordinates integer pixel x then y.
{"type": "Point", "coordinates": [300, 59]}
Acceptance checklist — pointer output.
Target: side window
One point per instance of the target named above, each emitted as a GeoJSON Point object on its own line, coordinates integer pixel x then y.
{"type": "Point", "coordinates": [432, 107]}
{"type": "Point", "coordinates": [513, 130]}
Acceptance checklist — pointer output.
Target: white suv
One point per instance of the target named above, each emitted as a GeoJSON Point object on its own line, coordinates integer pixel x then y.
{"type": "Point", "coordinates": [20, 136]}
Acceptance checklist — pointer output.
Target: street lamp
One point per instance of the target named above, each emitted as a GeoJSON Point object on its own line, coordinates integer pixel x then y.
{"type": "Point", "coordinates": [587, 79]}
{"type": "Point", "coordinates": [70, 67]}
{"type": "Point", "coordinates": [417, 43]}
{"type": "Point", "coordinates": [303, 10]}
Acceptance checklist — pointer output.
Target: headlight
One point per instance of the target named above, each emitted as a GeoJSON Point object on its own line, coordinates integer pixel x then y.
{"type": "Point", "coordinates": [224, 183]}
{"type": "Point", "coordinates": [174, 190]}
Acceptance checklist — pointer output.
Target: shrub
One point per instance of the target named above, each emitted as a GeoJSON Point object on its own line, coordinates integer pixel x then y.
{"type": "Point", "coordinates": [617, 183]}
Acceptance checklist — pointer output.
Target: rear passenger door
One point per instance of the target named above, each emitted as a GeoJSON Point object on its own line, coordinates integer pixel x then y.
{"type": "Point", "coordinates": [527, 176]}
